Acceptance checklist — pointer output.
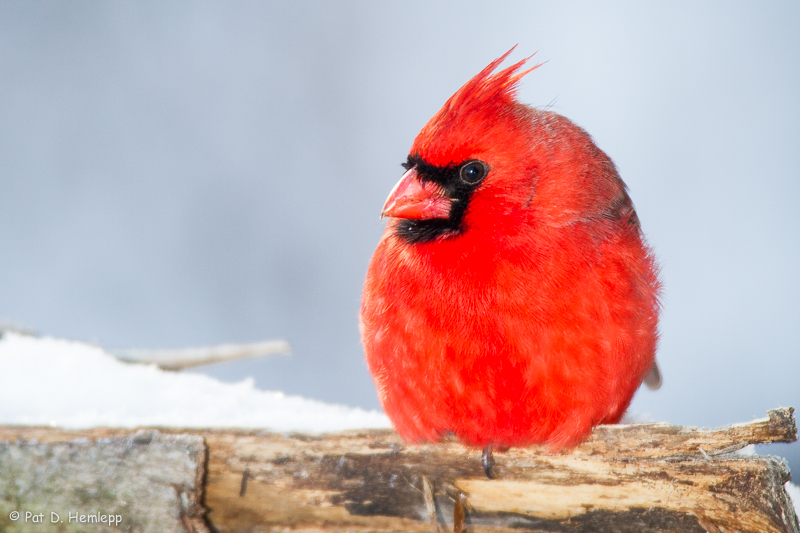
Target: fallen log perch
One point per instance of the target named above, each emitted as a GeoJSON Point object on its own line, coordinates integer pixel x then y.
{"type": "Point", "coordinates": [637, 478]}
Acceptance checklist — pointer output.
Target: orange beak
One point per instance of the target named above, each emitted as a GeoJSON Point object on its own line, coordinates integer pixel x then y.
{"type": "Point", "coordinates": [414, 199]}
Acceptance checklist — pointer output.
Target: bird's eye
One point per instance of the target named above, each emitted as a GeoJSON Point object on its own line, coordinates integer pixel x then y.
{"type": "Point", "coordinates": [472, 172]}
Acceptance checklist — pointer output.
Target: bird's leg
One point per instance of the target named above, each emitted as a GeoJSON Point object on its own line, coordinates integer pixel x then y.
{"type": "Point", "coordinates": [487, 460]}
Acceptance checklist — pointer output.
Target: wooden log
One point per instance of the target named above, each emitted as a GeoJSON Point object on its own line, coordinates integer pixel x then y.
{"type": "Point", "coordinates": [649, 477]}
{"type": "Point", "coordinates": [144, 482]}
{"type": "Point", "coordinates": [637, 478]}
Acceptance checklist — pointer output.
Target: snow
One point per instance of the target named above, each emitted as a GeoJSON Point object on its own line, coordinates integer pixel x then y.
{"type": "Point", "coordinates": [46, 381]}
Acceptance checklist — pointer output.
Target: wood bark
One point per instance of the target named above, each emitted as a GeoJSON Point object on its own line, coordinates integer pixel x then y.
{"type": "Point", "coordinates": [144, 482]}
{"type": "Point", "coordinates": [628, 478]}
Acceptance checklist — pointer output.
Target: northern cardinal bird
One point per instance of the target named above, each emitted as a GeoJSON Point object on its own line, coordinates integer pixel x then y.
{"type": "Point", "coordinates": [512, 299]}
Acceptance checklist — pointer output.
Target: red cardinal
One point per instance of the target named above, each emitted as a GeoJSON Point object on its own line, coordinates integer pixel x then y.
{"type": "Point", "coordinates": [512, 299]}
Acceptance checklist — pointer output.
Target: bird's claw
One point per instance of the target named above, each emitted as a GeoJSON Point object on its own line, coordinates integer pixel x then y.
{"type": "Point", "coordinates": [487, 460]}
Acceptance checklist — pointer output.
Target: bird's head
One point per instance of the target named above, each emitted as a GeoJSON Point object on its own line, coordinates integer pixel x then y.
{"type": "Point", "coordinates": [482, 157]}
{"type": "Point", "coordinates": [469, 153]}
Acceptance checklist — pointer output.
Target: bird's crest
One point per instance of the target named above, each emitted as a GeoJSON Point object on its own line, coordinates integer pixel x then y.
{"type": "Point", "coordinates": [486, 87]}
{"type": "Point", "coordinates": [483, 94]}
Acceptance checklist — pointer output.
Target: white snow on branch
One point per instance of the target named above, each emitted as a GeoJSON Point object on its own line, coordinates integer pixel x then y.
{"type": "Point", "coordinates": [45, 381]}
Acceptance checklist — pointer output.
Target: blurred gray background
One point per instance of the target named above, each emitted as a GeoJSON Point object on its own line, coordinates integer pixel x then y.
{"type": "Point", "coordinates": [191, 173]}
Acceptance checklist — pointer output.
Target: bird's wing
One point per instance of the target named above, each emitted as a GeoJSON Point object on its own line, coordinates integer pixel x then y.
{"type": "Point", "coordinates": [621, 208]}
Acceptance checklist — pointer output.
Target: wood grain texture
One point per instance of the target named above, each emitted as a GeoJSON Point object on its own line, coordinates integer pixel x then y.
{"type": "Point", "coordinates": [650, 477]}
{"type": "Point", "coordinates": [632, 478]}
